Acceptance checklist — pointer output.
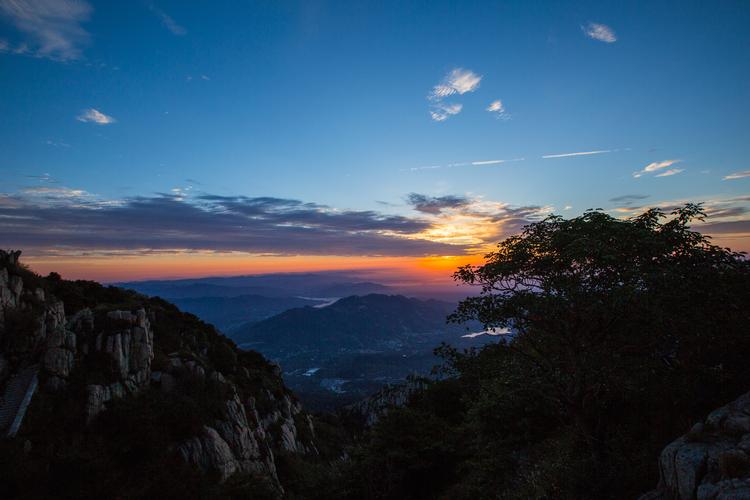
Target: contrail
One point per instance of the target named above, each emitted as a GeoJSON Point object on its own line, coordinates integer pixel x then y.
{"type": "Point", "coordinates": [581, 153]}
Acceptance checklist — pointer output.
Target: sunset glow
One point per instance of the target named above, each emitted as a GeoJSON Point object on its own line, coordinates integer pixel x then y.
{"type": "Point", "coordinates": [407, 163]}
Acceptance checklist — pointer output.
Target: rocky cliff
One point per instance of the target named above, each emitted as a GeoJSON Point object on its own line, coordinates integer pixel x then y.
{"type": "Point", "coordinates": [712, 461]}
{"type": "Point", "coordinates": [110, 355]}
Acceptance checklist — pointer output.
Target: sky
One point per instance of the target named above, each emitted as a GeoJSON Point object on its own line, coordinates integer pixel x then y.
{"type": "Point", "coordinates": [155, 139]}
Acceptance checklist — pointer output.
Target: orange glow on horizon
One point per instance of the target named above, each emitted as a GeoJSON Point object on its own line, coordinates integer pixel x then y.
{"type": "Point", "coordinates": [109, 268]}
{"type": "Point", "coordinates": [408, 271]}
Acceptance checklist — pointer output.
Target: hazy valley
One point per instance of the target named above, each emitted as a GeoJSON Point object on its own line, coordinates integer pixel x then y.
{"type": "Point", "coordinates": [337, 339]}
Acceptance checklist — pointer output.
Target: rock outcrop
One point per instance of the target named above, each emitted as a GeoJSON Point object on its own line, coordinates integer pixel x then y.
{"type": "Point", "coordinates": [232, 444]}
{"type": "Point", "coordinates": [104, 352]}
{"type": "Point", "coordinates": [128, 344]}
{"type": "Point", "coordinates": [712, 461]}
{"type": "Point", "coordinates": [27, 310]}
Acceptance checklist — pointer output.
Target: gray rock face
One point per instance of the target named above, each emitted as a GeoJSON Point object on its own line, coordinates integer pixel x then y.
{"type": "Point", "coordinates": [59, 358]}
{"type": "Point", "coordinates": [130, 346]}
{"type": "Point", "coordinates": [231, 445]}
{"type": "Point", "coordinates": [27, 316]}
{"type": "Point", "coordinates": [284, 422]}
{"type": "Point", "coordinates": [712, 461]}
{"type": "Point", "coordinates": [243, 439]}
{"type": "Point", "coordinates": [210, 452]}
{"type": "Point", "coordinates": [120, 345]}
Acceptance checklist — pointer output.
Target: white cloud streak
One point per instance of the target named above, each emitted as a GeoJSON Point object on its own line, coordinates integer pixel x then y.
{"type": "Point", "coordinates": [488, 162]}
{"type": "Point", "coordinates": [95, 116]}
{"type": "Point", "coordinates": [600, 32]}
{"type": "Point", "coordinates": [656, 166]}
{"type": "Point", "coordinates": [580, 153]}
{"type": "Point", "coordinates": [737, 175]}
{"type": "Point", "coordinates": [478, 163]}
{"type": "Point", "coordinates": [671, 171]}
{"type": "Point", "coordinates": [52, 27]}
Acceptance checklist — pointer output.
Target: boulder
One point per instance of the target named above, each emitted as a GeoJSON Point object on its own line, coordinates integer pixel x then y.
{"type": "Point", "coordinates": [712, 461]}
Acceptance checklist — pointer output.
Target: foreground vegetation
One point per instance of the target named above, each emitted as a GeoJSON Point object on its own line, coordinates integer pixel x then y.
{"type": "Point", "coordinates": [627, 332]}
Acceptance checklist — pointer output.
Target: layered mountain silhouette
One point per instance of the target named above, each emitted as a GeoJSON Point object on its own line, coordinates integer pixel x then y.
{"type": "Point", "coordinates": [338, 354]}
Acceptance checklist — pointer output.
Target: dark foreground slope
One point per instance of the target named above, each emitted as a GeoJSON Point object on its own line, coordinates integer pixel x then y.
{"type": "Point", "coordinates": [136, 399]}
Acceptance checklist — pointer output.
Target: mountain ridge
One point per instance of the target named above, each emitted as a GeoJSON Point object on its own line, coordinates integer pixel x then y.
{"type": "Point", "coordinates": [139, 395]}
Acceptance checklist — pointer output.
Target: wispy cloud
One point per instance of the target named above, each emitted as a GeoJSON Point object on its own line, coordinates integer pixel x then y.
{"type": "Point", "coordinates": [600, 32]}
{"type": "Point", "coordinates": [95, 116]}
{"type": "Point", "coordinates": [498, 109]}
{"type": "Point", "coordinates": [442, 111]}
{"type": "Point", "coordinates": [44, 178]}
{"type": "Point", "coordinates": [580, 153]}
{"type": "Point", "coordinates": [737, 175]}
{"type": "Point", "coordinates": [458, 81]}
{"type": "Point", "coordinates": [167, 20]}
{"type": "Point", "coordinates": [63, 197]}
{"type": "Point", "coordinates": [488, 162]}
{"type": "Point", "coordinates": [656, 166]}
{"type": "Point", "coordinates": [52, 28]}
{"type": "Point", "coordinates": [671, 171]}
{"type": "Point", "coordinates": [478, 163]}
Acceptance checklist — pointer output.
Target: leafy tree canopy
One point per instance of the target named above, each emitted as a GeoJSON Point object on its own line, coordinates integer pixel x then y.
{"type": "Point", "coordinates": [623, 334]}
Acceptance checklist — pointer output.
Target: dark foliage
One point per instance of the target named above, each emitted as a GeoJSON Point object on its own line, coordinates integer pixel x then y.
{"type": "Point", "coordinates": [626, 332]}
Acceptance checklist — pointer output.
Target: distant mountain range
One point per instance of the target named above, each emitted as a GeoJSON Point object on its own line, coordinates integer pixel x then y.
{"type": "Point", "coordinates": [371, 322]}
{"type": "Point", "coordinates": [323, 284]}
{"type": "Point", "coordinates": [338, 354]}
{"type": "Point", "coordinates": [228, 313]}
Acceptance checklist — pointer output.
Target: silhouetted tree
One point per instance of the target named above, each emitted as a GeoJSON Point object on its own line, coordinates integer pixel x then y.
{"type": "Point", "coordinates": [619, 324]}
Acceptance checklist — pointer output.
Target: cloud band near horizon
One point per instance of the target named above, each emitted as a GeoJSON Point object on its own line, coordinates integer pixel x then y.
{"type": "Point", "coordinates": [56, 220]}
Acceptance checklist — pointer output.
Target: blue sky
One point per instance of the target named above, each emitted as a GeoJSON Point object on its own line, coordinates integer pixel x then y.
{"type": "Point", "coordinates": [343, 105]}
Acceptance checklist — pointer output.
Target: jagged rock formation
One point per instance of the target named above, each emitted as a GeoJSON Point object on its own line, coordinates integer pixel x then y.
{"type": "Point", "coordinates": [239, 440]}
{"type": "Point", "coordinates": [103, 353]}
{"type": "Point", "coordinates": [27, 308]}
{"type": "Point", "coordinates": [712, 461]}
